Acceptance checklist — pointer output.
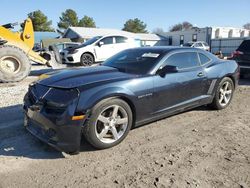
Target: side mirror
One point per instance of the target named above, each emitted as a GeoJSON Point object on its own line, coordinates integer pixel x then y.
{"type": "Point", "coordinates": [167, 69]}
{"type": "Point", "coordinates": [100, 43]}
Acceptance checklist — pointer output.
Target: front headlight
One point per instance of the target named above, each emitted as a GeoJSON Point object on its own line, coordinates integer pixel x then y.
{"type": "Point", "coordinates": [61, 100]}
{"type": "Point", "coordinates": [55, 104]}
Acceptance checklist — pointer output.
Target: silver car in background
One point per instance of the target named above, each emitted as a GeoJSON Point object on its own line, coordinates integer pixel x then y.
{"type": "Point", "coordinates": [199, 44]}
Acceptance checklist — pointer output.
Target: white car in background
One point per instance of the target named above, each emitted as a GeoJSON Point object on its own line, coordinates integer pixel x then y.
{"type": "Point", "coordinates": [63, 45]}
{"type": "Point", "coordinates": [199, 44]}
{"type": "Point", "coordinates": [98, 49]}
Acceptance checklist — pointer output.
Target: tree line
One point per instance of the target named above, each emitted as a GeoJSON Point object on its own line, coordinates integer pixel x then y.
{"type": "Point", "coordinates": [69, 18]}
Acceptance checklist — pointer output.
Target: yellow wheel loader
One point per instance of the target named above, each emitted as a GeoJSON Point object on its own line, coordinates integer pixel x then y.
{"type": "Point", "coordinates": [16, 53]}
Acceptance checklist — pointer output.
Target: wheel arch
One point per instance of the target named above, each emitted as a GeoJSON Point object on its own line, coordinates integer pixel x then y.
{"type": "Point", "coordinates": [131, 105]}
{"type": "Point", "coordinates": [231, 76]}
{"type": "Point", "coordinates": [90, 53]}
{"type": "Point", "coordinates": [85, 104]}
{"type": "Point", "coordinates": [121, 97]}
{"type": "Point", "coordinates": [233, 79]}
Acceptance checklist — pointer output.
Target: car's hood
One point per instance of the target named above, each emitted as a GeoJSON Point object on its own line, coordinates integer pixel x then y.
{"type": "Point", "coordinates": [77, 47]}
{"type": "Point", "coordinates": [78, 77]}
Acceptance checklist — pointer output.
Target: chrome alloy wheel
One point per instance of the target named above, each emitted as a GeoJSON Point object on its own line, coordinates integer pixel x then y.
{"type": "Point", "coordinates": [111, 124]}
{"type": "Point", "coordinates": [225, 93]}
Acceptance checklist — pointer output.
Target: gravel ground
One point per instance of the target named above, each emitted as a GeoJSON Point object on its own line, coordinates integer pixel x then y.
{"type": "Point", "coordinates": [198, 148]}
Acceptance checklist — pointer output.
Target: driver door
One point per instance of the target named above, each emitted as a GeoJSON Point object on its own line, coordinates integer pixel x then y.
{"type": "Point", "coordinates": [104, 48]}
{"type": "Point", "coordinates": [176, 90]}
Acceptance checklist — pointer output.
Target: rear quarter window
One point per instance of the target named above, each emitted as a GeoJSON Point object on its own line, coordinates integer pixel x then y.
{"type": "Point", "coordinates": [204, 59]}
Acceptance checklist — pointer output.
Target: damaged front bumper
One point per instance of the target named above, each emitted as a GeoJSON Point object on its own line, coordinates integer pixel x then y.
{"type": "Point", "coordinates": [50, 123]}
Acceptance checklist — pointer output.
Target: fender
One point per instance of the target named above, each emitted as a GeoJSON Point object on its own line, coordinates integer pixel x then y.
{"type": "Point", "coordinates": [224, 70]}
{"type": "Point", "coordinates": [88, 52]}
{"type": "Point", "coordinates": [88, 101]}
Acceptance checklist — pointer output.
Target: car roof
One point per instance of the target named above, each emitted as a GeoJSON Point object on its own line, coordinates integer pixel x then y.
{"type": "Point", "coordinates": [170, 48]}
{"type": "Point", "coordinates": [68, 43]}
{"type": "Point", "coordinates": [116, 35]}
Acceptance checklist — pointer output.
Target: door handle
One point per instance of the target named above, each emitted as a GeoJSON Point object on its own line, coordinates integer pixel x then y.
{"type": "Point", "coordinates": [200, 74]}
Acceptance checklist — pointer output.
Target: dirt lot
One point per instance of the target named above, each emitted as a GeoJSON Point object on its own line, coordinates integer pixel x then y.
{"type": "Point", "coordinates": [199, 148]}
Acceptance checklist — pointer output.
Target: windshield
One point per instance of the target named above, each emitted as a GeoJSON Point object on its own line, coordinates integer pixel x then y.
{"type": "Point", "coordinates": [135, 61]}
{"type": "Point", "coordinates": [90, 41]}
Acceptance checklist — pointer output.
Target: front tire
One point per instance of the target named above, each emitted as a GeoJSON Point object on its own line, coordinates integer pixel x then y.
{"type": "Point", "coordinates": [87, 59]}
{"type": "Point", "coordinates": [109, 123]}
{"type": "Point", "coordinates": [224, 94]}
{"type": "Point", "coordinates": [14, 64]}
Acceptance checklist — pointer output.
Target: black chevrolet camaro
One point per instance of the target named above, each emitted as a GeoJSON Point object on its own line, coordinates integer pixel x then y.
{"type": "Point", "coordinates": [130, 89]}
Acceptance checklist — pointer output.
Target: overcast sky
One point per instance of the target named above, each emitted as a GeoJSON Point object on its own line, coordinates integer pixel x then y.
{"type": "Point", "coordinates": [155, 13]}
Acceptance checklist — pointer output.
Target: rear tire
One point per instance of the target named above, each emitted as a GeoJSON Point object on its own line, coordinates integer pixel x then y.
{"type": "Point", "coordinates": [224, 94]}
{"type": "Point", "coordinates": [14, 64]}
{"type": "Point", "coordinates": [87, 59]}
{"type": "Point", "coordinates": [106, 126]}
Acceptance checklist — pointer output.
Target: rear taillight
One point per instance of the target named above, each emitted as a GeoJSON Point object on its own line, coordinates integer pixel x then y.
{"type": "Point", "coordinates": [237, 53]}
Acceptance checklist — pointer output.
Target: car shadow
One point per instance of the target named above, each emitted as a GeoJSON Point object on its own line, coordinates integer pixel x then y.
{"type": "Point", "coordinates": [16, 141]}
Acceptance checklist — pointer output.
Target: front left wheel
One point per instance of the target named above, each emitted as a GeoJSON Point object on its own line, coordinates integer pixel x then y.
{"type": "Point", "coordinates": [14, 64]}
{"type": "Point", "coordinates": [87, 59]}
{"type": "Point", "coordinates": [109, 123]}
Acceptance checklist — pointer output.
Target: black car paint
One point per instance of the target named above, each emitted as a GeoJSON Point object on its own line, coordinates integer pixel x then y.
{"type": "Point", "coordinates": [243, 57]}
{"type": "Point", "coordinates": [150, 96]}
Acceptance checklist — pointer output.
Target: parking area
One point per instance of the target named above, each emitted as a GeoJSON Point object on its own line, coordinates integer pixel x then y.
{"type": "Point", "coordinates": [198, 148]}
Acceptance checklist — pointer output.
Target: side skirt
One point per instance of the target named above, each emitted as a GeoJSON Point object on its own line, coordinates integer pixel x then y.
{"type": "Point", "coordinates": [176, 110]}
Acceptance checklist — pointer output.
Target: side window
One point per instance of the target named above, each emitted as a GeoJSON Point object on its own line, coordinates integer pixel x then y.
{"type": "Point", "coordinates": [198, 45]}
{"type": "Point", "coordinates": [204, 59]}
{"type": "Point", "coordinates": [183, 60]}
{"type": "Point", "coordinates": [120, 39]}
{"type": "Point", "coordinates": [107, 40]}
